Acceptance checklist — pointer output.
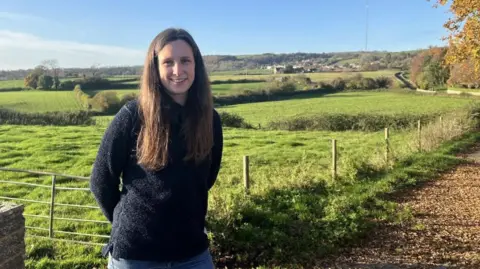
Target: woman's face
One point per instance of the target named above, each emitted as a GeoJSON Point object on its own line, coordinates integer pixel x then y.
{"type": "Point", "coordinates": [177, 68]}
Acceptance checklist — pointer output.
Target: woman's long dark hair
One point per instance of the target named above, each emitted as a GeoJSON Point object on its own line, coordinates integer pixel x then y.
{"type": "Point", "coordinates": [153, 142]}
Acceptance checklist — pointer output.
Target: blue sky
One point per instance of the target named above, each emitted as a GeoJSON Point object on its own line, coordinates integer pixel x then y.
{"type": "Point", "coordinates": [107, 32]}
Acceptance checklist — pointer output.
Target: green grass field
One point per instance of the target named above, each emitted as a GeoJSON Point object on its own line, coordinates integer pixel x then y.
{"type": "Point", "coordinates": [11, 84]}
{"type": "Point", "coordinates": [39, 101]}
{"type": "Point", "coordinates": [278, 160]}
{"type": "Point", "coordinates": [321, 76]}
{"type": "Point", "coordinates": [350, 102]}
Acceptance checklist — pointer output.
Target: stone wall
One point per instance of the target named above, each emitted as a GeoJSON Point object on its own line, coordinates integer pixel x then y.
{"type": "Point", "coordinates": [12, 232]}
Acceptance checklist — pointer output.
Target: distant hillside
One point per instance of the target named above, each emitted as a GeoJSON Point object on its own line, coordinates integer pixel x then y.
{"type": "Point", "coordinates": [383, 60]}
{"type": "Point", "coordinates": [363, 61]}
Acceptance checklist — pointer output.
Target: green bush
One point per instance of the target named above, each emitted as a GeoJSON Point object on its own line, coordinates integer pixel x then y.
{"type": "Point", "coordinates": [233, 120]}
{"type": "Point", "coordinates": [91, 83]}
{"type": "Point", "coordinates": [66, 85]}
{"type": "Point", "coordinates": [106, 102]}
{"type": "Point", "coordinates": [384, 82]}
{"type": "Point", "coordinates": [45, 82]}
{"type": "Point", "coordinates": [49, 118]}
{"type": "Point", "coordinates": [349, 122]}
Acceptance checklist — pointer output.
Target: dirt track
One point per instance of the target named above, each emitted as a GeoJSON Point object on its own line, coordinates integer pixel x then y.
{"type": "Point", "coordinates": [444, 231]}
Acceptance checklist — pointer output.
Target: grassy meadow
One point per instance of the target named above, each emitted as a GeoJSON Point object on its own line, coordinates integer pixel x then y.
{"type": "Point", "coordinates": [11, 84]}
{"type": "Point", "coordinates": [316, 77]}
{"type": "Point", "coordinates": [348, 102]}
{"type": "Point", "coordinates": [39, 101]}
{"type": "Point", "coordinates": [291, 188]}
{"type": "Point", "coordinates": [278, 160]}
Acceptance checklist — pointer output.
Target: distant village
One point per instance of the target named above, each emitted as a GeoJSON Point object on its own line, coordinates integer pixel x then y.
{"type": "Point", "coordinates": [307, 66]}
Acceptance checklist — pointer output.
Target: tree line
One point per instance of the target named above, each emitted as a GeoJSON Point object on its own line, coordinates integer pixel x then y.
{"type": "Point", "coordinates": [457, 64]}
{"type": "Point", "coordinates": [368, 60]}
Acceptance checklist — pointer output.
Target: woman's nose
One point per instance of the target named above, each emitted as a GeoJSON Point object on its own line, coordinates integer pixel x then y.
{"type": "Point", "coordinates": [177, 68]}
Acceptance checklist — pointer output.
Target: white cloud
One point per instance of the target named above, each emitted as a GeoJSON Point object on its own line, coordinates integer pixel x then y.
{"type": "Point", "coordinates": [20, 17]}
{"type": "Point", "coordinates": [22, 51]}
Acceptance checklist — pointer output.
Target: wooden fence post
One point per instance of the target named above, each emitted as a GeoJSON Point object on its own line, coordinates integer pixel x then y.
{"type": "Point", "coordinates": [387, 146]}
{"type": "Point", "coordinates": [52, 207]}
{"type": "Point", "coordinates": [441, 129]}
{"type": "Point", "coordinates": [334, 159]}
{"type": "Point", "coordinates": [246, 173]}
{"type": "Point", "coordinates": [419, 135]}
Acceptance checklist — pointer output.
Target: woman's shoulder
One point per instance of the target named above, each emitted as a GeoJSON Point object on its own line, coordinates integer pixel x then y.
{"type": "Point", "coordinates": [127, 114]}
{"type": "Point", "coordinates": [216, 116]}
{"type": "Point", "coordinates": [131, 106]}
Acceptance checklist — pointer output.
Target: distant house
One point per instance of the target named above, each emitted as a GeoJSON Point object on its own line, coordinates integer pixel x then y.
{"type": "Point", "coordinates": [298, 69]}
{"type": "Point", "coordinates": [278, 69]}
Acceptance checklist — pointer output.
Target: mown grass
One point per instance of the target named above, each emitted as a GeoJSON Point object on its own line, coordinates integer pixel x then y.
{"type": "Point", "coordinates": [347, 102]}
{"type": "Point", "coordinates": [40, 101]}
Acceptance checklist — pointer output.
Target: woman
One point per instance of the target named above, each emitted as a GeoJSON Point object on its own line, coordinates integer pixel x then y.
{"type": "Point", "coordinates": [167, 148]}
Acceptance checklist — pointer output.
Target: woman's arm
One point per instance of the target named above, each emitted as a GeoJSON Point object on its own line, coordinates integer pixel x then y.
{"type": "Point", "coordinates": [110, 161]}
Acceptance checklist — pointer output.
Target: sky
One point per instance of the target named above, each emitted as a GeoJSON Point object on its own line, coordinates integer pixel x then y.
{"type": "Point", "coordinates": [118, 33]}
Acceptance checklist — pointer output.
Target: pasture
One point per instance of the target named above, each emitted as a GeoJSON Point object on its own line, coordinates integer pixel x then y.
{"type": "Point", "coordinates": [279, 160]}
{"type": "Point", "coordinates": [348, 102]}
{"type": "Point", "coordinates": [39, 101]}
{"type": "Point", "coordinates": [316, 77]}
{"type": "Point", "coordinates": [5, 84]}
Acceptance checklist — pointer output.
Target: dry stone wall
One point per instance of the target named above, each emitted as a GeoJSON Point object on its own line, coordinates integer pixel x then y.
{"type": "Point", "coordinates": [12, 232]}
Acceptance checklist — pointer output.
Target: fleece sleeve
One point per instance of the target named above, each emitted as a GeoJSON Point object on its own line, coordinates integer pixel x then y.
{"type": "Point", "coordinates": [111, 158]}
{"type": "Point", "coordinates": [217, 150]}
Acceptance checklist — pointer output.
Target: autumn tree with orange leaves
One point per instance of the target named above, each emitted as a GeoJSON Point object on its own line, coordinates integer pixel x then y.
{"type": "Point", "coordinates": [428, 70]}
{"type": "Point", "coordinates": [463, 32]}
{"type": "Point", "coordinates": [464, 75]}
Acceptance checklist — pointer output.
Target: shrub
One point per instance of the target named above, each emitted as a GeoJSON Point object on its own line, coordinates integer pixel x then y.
{"type": "Point", "coordinates": [82, 97]}
{"type": "Point", "coordinates": [106, 102]}
{"type": "Point", "coordinates": [339, 84]}
{"type": "Point", "coordinates": [31, 80]}
{"type": "Point", "coordinates": [66, 85]}
{"type": "Point", "coordinates": [346, 122]}
{"type": "Point", "coordinates": [384, 82]}
{"type": "Point", "coordinates": [368, 84]}
{"type": "Point", "coordinates": [233, 120]}
{"type": "Point", "coordinates": [45, 82]}
{"type": "Point", "coordinates": [50, 118]}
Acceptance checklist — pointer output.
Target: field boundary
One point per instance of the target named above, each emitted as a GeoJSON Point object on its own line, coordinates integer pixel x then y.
{"type": "Point", "coordinates": [54, 188]}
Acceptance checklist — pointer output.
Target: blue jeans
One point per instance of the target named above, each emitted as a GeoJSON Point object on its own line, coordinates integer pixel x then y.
{"type": "Point", "coordinates": [201, 261]}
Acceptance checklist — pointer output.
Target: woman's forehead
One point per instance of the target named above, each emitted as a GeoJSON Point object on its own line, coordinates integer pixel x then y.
{"type": "Point", "coordinates": [176, 49]}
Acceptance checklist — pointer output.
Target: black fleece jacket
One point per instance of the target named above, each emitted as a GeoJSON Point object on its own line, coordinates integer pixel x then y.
{"type": "Point", "coordinates": [155, 215]}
